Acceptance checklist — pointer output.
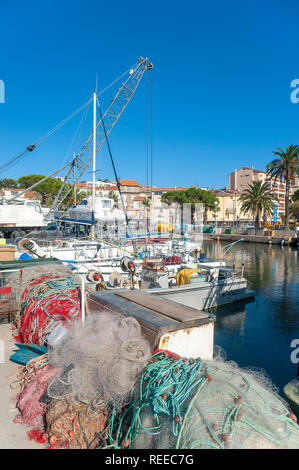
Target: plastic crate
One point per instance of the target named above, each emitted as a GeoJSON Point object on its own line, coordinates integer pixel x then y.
{"type": "Point", "coordinates": [8, 297]}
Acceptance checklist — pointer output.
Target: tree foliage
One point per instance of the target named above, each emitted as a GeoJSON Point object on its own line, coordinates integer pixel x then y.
{"type": "Point", "coordinates": [8, 183]}
{"type": "Point", "coordinates": [113, 196]}
{"type": "Point", "coordinates": [294, 209]}
{"type": "Point", "coordinates": [286, 167]}
{"type": "Point", "coordinates": [295, 196]}
{"type": "Point", "coordinates": [48, 189]}
{"type": "Point", "coordinates": [192, 196]}
{"type": "Point", "coordinates": [258, 199]}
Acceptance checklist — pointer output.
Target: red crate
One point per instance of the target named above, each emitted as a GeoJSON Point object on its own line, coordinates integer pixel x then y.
{"type": "Point", "coordinates": [5, 290]}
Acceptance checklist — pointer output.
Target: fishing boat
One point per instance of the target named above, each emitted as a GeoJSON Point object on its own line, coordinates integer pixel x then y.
{"type": "Point", "coordinates": [201, 287]}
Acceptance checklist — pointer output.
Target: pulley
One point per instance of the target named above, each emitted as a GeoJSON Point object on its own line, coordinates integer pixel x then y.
{"type": "Point", "coordinates": [30, 148]}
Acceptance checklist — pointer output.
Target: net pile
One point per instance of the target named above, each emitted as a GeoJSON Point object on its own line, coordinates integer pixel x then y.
{"type": "Point", "coordinates": [47, 301]}
{"type": "Point", "coordinates": [238, 410]}
{"type": "Point", "coordinates": [97, 364]}
{"type": "Point", "coordinates": [185, 403]}
{"type": "Point", "coordinates": [70, 423]}
{"type": "Point", "coordinates": [103, 357]}
{"type": "Point", "coordinates": [20, 279]}
{"type": "Point", "coordinates": [99, 386]}
{"type": "Point", "coordinates": [34, 380]}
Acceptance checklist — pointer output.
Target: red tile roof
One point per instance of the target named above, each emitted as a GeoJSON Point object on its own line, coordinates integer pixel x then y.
{"type": "Point", "coordinates": [129, 183]}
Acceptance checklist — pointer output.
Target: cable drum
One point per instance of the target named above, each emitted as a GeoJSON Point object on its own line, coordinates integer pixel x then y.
{"type": "Point", "coordinates": [127, 265]}
{"type": "Point", "coordinates": [94, 275]}
{"type": "Point", "coordinates": [25, 244]}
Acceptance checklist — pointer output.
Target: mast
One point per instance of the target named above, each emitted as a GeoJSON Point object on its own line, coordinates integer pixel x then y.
{"type": "Point", "coordinates": [94, 152]}
{"type": "Point", "coordinates": [109, 119]}
{"type": "Point", "coordinates": [75, 190]}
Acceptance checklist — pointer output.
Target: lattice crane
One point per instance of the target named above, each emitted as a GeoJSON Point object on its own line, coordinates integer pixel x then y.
{"type": "Point", "coordinates": [83, 160]}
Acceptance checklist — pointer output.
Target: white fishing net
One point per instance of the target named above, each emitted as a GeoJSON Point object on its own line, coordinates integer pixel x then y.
{"type": "Point", "coordinates": [101, 358]}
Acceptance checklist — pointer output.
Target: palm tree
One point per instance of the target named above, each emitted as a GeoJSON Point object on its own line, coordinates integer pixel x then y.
{"type": "Point", "coordinates": [285, 166]}
{"type": "Point", "coordinates": [258, 199]}
{"type": "Point", "coordinates": [75, 196]}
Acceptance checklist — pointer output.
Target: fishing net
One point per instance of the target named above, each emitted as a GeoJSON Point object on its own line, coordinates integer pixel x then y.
{"type": "Point", "coordinates": [188, 403]}
{"type": "Point", "coordinates": [29, 398]}
{"type": "Point", "coordinates": [73, 424]}
{"type": "Point", "coordinates": [101, 358]}
{"type": "Point", "coordinates": [20, 279]}
{"type": "Point", "coordinates": [99, 361]}
{"type": "Point", "coordinates": [46, 302]}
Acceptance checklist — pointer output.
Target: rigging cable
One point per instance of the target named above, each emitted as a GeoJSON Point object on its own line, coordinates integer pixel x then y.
{"type": "Point", "coordinates": [151, 141]}
{"type": "Point", "coordinates": [113, 166]}
{"type": "Point", "coordinates": [78, 132]}
{"type": "Point", "coordinates": [5, 166]}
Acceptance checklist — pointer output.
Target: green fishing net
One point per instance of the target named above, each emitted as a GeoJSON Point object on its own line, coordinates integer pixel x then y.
{"type": "Point", "coordinates": [189, 403]}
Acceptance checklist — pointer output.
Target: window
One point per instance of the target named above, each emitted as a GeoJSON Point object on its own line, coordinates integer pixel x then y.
{"type": "Point", "coordinates": [35, 206]}
{"type": "Point", "coordinates": [106, 204]}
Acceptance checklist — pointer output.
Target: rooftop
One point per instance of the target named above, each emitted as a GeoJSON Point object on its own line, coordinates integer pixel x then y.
{"type": "Point", "coordinates": [128, 182]}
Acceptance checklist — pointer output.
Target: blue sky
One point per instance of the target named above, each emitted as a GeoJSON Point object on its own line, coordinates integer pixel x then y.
{"type": "Point", "coordinates": [221, 83]}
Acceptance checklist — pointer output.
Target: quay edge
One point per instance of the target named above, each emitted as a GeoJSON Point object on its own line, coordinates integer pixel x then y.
{"type": "Point", "coordinates": [291, 241]}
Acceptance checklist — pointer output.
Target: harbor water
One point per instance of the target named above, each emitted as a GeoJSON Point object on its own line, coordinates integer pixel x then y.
{"type": "Point", "coordinates": [259, 334]}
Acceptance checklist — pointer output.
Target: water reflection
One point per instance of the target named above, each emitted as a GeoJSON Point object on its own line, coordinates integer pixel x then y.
{"type": "Point", "coordinates": [259, 333]}
{"type": "Point", "coordinates": [232, 317]}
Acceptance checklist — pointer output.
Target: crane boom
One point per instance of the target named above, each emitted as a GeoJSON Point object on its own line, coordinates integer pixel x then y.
{"type": "Point", "coordinates": [83, 160]}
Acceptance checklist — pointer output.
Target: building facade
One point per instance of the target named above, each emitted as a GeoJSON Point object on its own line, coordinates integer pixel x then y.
{"type": "Point", "coordinates": [240, 179]}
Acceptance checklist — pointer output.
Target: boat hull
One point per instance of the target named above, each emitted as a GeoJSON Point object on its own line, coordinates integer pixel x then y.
{"type": "Point", "coordinates": [205, 295]}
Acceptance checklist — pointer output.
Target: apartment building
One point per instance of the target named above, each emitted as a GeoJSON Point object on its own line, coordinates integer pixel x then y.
{"type": "Point", "coordinates": [228, 208]}
{"type": "Point", "coordinates": [8, 193]}
{"type": "Point", "coordinates": [240, 179]}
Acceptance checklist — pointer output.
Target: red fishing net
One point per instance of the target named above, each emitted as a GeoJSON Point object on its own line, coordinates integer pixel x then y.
{"type": "Point", "coordinates": [47, 301]}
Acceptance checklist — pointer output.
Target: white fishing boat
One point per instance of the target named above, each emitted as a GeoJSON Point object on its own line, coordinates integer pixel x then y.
{"type": "Point", "coordinates": [104, 211]}
{"type": "Point", "coordinates": [20, 216]}
{"type": "Point", "coordinates": [197, 287]}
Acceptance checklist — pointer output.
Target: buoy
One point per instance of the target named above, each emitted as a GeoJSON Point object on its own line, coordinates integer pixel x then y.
{"type": "Point", "coordinates": [239, 415]}
{"type": "Point", "coordinates": [238, 400]}
{"type": "Point", "coordinates": [126, 443]}
{"type": "Point", "coordinates": [293, 417]}
{"type": "Point", "coordinates": [53, 439]}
